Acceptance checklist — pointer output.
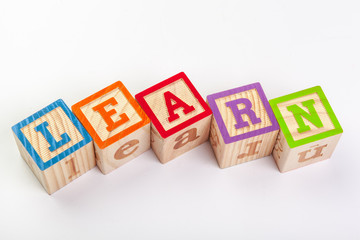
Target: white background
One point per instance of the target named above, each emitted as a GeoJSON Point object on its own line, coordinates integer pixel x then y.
{"type": "Point", "coordinates": [71, 49]}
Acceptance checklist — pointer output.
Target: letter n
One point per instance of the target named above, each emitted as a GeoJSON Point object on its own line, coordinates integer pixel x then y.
{"type": "Point", "coordinates": [312, 116]}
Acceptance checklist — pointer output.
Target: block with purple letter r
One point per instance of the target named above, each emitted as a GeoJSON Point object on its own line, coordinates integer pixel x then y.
{"type": "Point", "coordinates": [243, 126]}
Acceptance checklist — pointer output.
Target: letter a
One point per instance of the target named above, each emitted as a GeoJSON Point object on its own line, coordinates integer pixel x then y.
{"type": "Point", "coordinates": [186, 137]}
{"type": "Point", "coordinates": [169, 97]}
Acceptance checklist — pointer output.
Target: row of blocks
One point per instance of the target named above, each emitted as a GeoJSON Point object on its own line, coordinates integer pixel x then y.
{"type": "Point", "coordinates": [110, 128]}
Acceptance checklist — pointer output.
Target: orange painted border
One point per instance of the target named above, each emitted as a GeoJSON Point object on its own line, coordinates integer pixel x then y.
{"type": "Point", "coordinates": [82, 118]}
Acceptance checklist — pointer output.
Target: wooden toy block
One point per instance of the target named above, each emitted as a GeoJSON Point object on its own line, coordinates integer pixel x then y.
{"type": "Point", "coordinates": [243, 126]}
{"type": "Point", "coordinates": [55, 145]}
{"type": "Point", "coordinates": [180, 117]}
{"type": "Point", "coordinates": [118, 125]}
{"type": "Point", "coordinates": [309, 129]}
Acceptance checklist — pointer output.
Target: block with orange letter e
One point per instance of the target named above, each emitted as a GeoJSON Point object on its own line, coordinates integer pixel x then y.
{"type": "Point", "coordinates": [118, 125]}
{"type": "Point", "coordinates": [243, 127]}
{"type": "Point", "coordinates": [179, 115]}
{"type": "Point", "coordinates": [55, 145]}
{"type": "Point", "coordinates": [309, 129]}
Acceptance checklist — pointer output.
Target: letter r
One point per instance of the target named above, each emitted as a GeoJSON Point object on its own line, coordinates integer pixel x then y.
{"type": "Point", "coordinates": [240, 123]}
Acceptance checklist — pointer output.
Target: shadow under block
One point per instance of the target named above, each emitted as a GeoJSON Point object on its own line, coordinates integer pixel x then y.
{"type": "Point", "coordinates": [243, 127]}
{"type": "Point", "coordinates": [118, 125]}
{"type": "Point", "coordinates": [179, 115]}
{"type": "Point", "coordinates": [55, 145]}
{"type": "Point", "coordinates": [309, 129]}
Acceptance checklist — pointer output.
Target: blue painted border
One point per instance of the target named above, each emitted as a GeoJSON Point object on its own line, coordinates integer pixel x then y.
{"type": "Point", "coordinates": [35, 156]}
{"type": "Point", "coordinates": [219, 120]}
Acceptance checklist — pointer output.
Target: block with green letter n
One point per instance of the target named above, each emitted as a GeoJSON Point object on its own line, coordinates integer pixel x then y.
{"type": "Point", "coordinates": [55, 145]}
{"type": "Point", "coordinates": [309, 129]}
{"type": "Point", "coordinates": [180, 118]}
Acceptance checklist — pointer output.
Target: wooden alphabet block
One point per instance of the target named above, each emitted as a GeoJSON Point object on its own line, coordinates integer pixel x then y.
{"type": "Point", "coordinates": [118, 125]}
{"type": "Point", "coordinates": [55, 145]}
{"type": "Point", "coordinates": [243, 126]}
{"type": "Point", "coordinates": [309, 129]}
{"type": "Point", "coordinates": [180, 117]}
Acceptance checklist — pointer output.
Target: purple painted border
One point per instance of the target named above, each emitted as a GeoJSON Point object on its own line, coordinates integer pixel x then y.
{"type": "Point", "coordinates": [219, 120]}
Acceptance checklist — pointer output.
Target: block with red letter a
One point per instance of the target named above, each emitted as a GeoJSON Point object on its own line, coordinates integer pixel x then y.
{"type": "Point", "coordinates": [244, 127]}
{"type": "Point", "coordinates": [180, 117]}
{"type": "Point", "coordinates": [309, 129]}
{"type": "Point", "coordinates": [118, 125]}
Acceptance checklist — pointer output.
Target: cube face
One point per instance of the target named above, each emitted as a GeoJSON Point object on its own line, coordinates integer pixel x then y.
{"type": "Point", "coordinates": [110, 114]}
{"type": "Point", "coordinates": [118, 125]}
{"type": "Point", "coordinates": [173, 105]}
{"type": "Point", "coordinates": [51, 134]}
{"type": "Point", "coordinates": [179, 115]}
{"type": "Point", "coordinates": [180, 142]}
{"type": "Point", "coordinates": [244, 127]}
{"type": "Point", "coordinates": [253, 118]}
{"type": "Point", "coordinates": [292, 158]}
{"type": "Point", "coordinates": [305, 116]}
{"type": "Point", "coordinates": [124, 150]}
{"type": "Point", "coordinates": [309, 129]}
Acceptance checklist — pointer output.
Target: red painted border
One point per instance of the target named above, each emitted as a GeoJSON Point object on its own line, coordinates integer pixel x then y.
{"type": "Point", "coordinates": [140, 97]}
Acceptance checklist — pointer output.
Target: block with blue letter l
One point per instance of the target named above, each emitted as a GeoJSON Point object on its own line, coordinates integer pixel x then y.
{"type": "Point", "coordinates": [55, 145]}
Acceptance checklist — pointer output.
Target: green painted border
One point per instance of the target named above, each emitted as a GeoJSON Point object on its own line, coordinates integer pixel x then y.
{"type": "Point", "coordinates": [290, 140]}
